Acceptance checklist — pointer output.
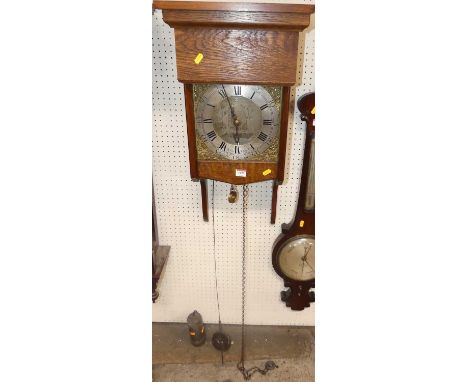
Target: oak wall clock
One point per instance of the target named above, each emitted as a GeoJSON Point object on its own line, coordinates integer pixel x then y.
{"type": "Point", "coordinates": [237, 62]}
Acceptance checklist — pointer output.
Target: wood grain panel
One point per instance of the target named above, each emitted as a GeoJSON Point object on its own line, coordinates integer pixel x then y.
{"type": "Point", "coordinates": [237, 56]}
{"type": "Point", "coordinates": [226, 171]}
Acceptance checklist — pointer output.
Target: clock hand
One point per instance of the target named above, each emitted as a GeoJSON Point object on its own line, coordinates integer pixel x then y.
{"type": "Point", "coordinates": [311, 267]}
{"type": "Point", "coordinates": [234, 117]}
{"type": "Point", "coordinates": [306, 251]}
{"type": "Point", "coordinates": [304, 258]}
{"type": "Point", "coordinates": [229, 102]}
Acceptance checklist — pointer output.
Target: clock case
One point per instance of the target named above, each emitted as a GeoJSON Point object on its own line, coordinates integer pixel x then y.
{"type": "Point", "coordinates": [244, 44]}
{"type": "Point", "coordinates": [299, 295]}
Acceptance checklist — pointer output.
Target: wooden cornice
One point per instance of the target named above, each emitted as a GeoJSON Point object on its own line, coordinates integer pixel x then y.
{"type": "Point", "coordinates": [233, 6]}
{"type": "Point", "coordinates": [236, 15]}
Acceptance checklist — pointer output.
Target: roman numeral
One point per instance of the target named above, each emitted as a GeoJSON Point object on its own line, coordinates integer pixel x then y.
{"type": "Point", "coordinates": [208, 104]}
{"type": "Point", "coordinates": [222, 146]}
{"type": "Point", "coordinates": [267, 122]}
{"type": "Point", "coordinates": [269, 104]}
{"type": "Point", "coordinates": [208, 120]}
{"type": "Point", "coordinates": [222, 93]}
{"type": "Point", "coordinates": [252, 95]}
{"type": "Point", "coordinates": [211, 135]}
{"type": "Point", "coordinates": [263, 137]}
{"type": "Point", "coordinates": [236, 150]}
{"type": "Point", "coordinates": [237, 90]}
{"type": "Point", "coordinates": [253, 148]}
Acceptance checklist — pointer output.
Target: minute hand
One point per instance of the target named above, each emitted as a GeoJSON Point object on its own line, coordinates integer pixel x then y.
{"type": "Point", "coordinates": [229, 102]}
{"type": "Point", "coordinates": [305, 257]}
{"type": "Point", "coordinates": [234, 117]}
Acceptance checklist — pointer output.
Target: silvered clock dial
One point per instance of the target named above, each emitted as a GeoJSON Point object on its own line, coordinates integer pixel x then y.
{"type": "Point", "coordinates": [296, 258]}
{"type": "Point", "coordinates": [237, 122]}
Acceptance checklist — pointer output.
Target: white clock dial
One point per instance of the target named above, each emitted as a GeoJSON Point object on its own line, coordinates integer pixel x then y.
{"type": "Point", "coordinates": [237, 121]}
{"type": "Point", "coordinates": [296, 258]}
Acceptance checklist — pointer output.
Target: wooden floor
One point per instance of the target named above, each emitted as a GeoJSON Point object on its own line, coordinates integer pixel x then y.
{"type": "Point", "coordinates": [175, 359]}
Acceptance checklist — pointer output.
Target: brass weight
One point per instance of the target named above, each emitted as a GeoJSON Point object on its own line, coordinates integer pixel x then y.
{"type": "Point", "coordinates": [233, 194]}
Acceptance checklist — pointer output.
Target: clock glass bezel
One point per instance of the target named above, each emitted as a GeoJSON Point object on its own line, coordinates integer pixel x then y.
{"type": "Point", "coordinates": [282, 265]}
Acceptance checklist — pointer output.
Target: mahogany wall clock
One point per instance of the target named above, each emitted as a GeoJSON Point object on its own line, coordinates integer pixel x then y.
{"type": "Point", "coordinates": [294, 250]}
{"type": "Point", "coordinates": [237, 62]}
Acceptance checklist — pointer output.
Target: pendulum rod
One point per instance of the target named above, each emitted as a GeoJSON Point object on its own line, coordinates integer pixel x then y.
{"type": "Point", "coordinates": [214, 260]}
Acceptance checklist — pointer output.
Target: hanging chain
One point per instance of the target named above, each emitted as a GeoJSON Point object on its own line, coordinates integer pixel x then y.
{"type": "Point", "coordinates": [214, 259]}
{"type": "Point", "coordinates": [245, 193]}
{"type": "Point", "coordinates": [269, 365]}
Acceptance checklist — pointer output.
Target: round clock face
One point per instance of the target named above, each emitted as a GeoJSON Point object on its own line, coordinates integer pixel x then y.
{"type": "Point", "coordinates": [237, 121]}
{"type": "Point", "coordinates": [296, 258]}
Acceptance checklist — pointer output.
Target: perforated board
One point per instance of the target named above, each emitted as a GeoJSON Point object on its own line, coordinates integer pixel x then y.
{"type": "Point", "coordinates": [188, 282]}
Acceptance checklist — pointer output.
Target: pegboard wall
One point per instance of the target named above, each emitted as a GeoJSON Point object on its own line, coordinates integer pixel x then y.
{"type": "Point", "coordinates": [188, 282]}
